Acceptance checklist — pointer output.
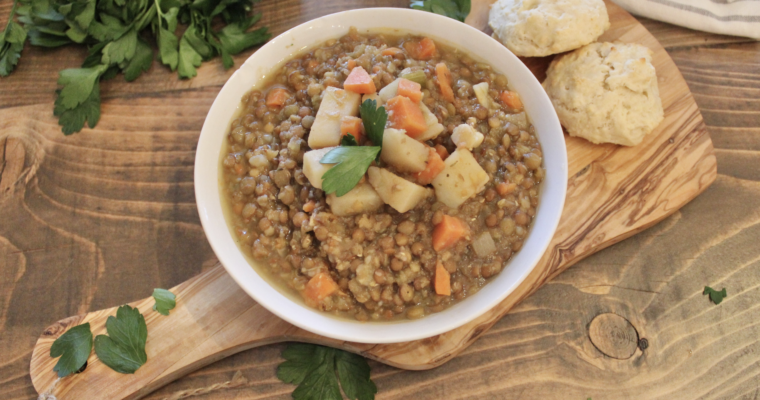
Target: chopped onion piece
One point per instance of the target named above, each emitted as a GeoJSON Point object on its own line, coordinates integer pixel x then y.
{"type": "Point", "coordinates": [484, 245]}
{"type": "Point", "coordinates": [481, 92]}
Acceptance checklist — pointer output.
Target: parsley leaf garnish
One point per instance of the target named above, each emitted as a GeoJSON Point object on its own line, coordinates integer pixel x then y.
{"type": "Point", "coordinates": [373, 119]}
{"type": "Point", "coordinates": [715, 295]}
{"type": "Point", "coordinates": [140, 62]}
{"type": "Point", "coordinates": [74, 348]}
{"type": "Point", "coordinates": [352, 162]}
{"type": "Point", "coordinates": [123, 350]}
{"type": "Point", "coordinates": [165, 301]}
{"type": "Point", "coordinates": [348, 140]}
{"type": "Point", "coordinates": [79, 100]}
{"type": "Point", "coordinates": [77, 85]}
{"type": "Point", "coordinates": [313, 369]}
{"type": "Point", "coordinates": [353, 372]}
{"type": "Point", "coordinates": [457, 9]}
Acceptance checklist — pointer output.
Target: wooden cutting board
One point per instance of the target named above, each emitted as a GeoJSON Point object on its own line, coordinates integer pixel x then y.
{"type": "Point", "coordinates": [613, 193]}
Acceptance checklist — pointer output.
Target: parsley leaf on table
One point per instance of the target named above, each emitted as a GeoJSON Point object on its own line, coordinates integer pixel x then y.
{"type": "Point", "coordinates": [121, 49]}
{"type": "Point", "coordinates": [374, 119]}
{"type": "Point", "coordinates": [79, 100]}
{"type": "Point", "coordinates": [165, 301]}
{"type": "Point", "coordinates": [234, 38]}
{"type": "Point", "coordinates": [352, 162]}
{"type": "Point", "coordinates": [74, 347]}
{"type": "Point", "coordinates": [715, 295]}
{"type": "Point", "coordinates": [313, 369]}
{"type": "Point", "coordinates": [77, 85]}
{"type": "Point", "coordinates": [457, 9]}
{"type": "Point", "coordinates": [189, 59]}
{"type": "Point", "coordinates": [11, 44]}
{"type": "Point", "coordinates": [140, 62]}
{"type": "Point", "coordinates": [123, 350]}
{"type": "Point", "coordinates": [73, 120]}
{"type": "Point", "coordinates": [353, 372]}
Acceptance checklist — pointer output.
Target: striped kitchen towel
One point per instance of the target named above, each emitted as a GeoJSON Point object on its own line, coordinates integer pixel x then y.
{"type": "Point", "coordinates": [729, 17]}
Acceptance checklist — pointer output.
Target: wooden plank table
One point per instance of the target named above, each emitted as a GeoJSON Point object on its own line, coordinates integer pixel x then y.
{"type": "Point", "coordinates": [98, 221]}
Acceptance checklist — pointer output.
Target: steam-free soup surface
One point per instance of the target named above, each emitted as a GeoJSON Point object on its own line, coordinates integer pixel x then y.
{"type": "Point", "coordinates": [420, 231]}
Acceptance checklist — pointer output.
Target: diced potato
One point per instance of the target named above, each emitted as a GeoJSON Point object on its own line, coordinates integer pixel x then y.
{"type": "Point", "coordinates": [434, 128]}
{"type": "Point", "coordinates": [481, 92]}
{"type": "Point", "coordinates": [432, 132]}
{"type": "Point", "coordinates": [373, 96]}
{"type": "Point", "coordinates": [461, 179]}
{"type": "Point", "coordinates": [430, 118]}
{"type": "Point", "coordinates": [403, 152]}
{"type": "Point", "coordinates": [389, 91]}
{"type": "Point", "coordinates": [336, 104]}
{"type": "Point", "coordinates": [466, 136]}
{"type": "Point", "coordinates": [396, 191]}
{"type": "Point", "coordinates": [362, 198]}
{"type": "Point", "coordinates": [313, 169]}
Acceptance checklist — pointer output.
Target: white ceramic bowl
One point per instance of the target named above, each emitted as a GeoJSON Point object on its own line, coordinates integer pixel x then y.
{"type": "Point", "coordinates": [392, 20]}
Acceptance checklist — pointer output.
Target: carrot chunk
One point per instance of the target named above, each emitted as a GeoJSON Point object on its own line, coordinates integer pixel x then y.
{"type": "Point", "coordinates": [359, 81]}
{"type": "Point", "coordinates": [391, 51]}
{"type": "Point", "coordinates": [504, 188]}
{"type": "Point", "coordinates": [318, 288]}
{"type": "Point", "coordinates": [511, 99]}
{"type": "Point", "coordinates": [277, 97]}
{"type": "Point", "coordinates": [442, 280]}
{"type": "Point", "coordinates": [350, 64]}
{"type": "Point", "coordinates": [411, 48]}
{"type": "Point", "coordinates": [434, 167]}
{"type": "Point", "coordinates": [444, 81]}
{"type": "Point", "coordinates": [311, 66]}
{"type": "Point", "coordinates": [404, 114]}
{"type": "Point", "coordinates": [442, 151]}
{"type": "Point", "coordinates": [448, 232]}
{"type": "Point", "coordinates": [426, 49]}
{"type": "Point", "coordinates": [352, 126]}
{"type": "Point", "coordinates": [412, 90]}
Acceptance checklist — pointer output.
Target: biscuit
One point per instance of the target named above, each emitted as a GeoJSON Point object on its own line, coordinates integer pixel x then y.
{"type": "Point", "coordinates": [606, 92]}
{"type": "Point", "coordinates": [537, 28]}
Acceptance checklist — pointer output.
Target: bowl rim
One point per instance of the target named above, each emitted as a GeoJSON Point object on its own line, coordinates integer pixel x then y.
{"type": "Point", "coordinates": [208, 196]}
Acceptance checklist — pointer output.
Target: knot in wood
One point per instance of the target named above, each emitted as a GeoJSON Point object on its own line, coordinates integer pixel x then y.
{"type": "Point", "coordinates": [613, 335]}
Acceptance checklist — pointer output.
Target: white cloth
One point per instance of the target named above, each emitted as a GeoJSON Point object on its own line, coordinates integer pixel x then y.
{"type": "Point", "coordinates": [729, 17]}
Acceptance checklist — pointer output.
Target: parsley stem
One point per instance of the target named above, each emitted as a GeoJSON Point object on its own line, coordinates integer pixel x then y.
{"type": "Point", "coordinates": [13, 13]}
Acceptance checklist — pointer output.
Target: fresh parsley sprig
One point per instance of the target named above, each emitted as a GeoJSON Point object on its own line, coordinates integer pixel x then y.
{"type": "Point", "coordinates": [115, 31]}
{"type": "Point", "coordinates": [457, 9]}
{"type": "Point", "coordinates": [317, 369]}
{"type": "Point", "coordinates": [352, 160]}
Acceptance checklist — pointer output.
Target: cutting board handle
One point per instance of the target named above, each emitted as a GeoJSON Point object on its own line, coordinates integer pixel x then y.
{"type": "Point", "coordinates": [613, 192]}
{"type": "Point", "coordinates": [213, 319]}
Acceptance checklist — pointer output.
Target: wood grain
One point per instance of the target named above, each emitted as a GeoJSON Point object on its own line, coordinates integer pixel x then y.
{"type": "Point", "coordinates": [613, 336]}
{"type": "Point", "coordinates": [53, 241]}
{"type": "Point", "coordinates": [632, 188]}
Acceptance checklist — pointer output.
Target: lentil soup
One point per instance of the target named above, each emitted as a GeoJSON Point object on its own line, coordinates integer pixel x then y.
{"type": "Point", "coordinates": [448, 201]}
